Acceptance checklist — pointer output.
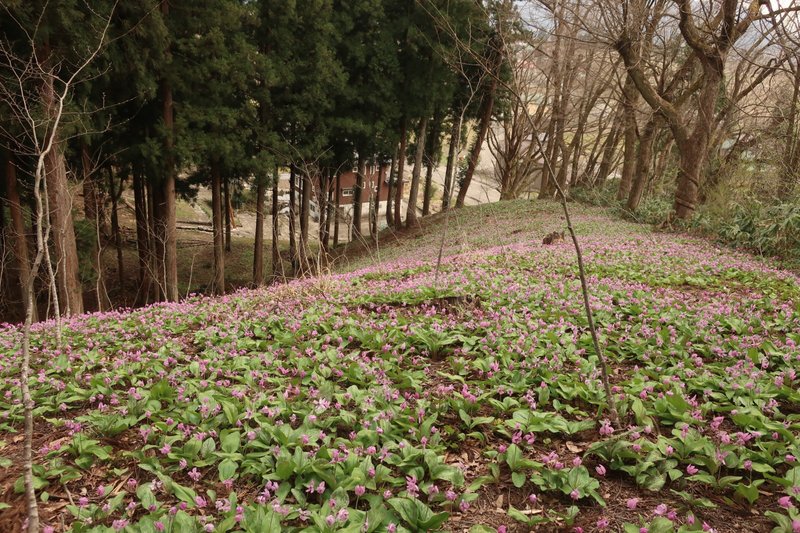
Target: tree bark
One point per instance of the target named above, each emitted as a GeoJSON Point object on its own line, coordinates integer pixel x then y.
{"type": "Point", "coordinates": [790, 176]}
{"type": "Point", "coordinates": [644, 162]}
{"type": "Point", "coordinates": [92, 208]}
{"type": "Point", "coordinates": [18, 232]}
{"type": "Point", "coordinates": [413, 193]}
{"type": "Point", "coordinates": [378, 187]}
{"type": "Point", "coordinates": [486, 119]}
{"type": "Point", "coordinates": [398, 186]}
{"type": "Point", "coordinates": [258, 245]}
{"type": "Point", "coordinates": [305, 212]}
{"type": "Point", "coordinates": [357, 191]}
{"type": "Point", "coordinates": [455, 139]}
{"type": "Point", "coordinates": [143, 244]}
{"type": "Point", "coordinates": [431, 149]}
{"type": "Point", "coordinates": [228, 213]}
{"type": "Point", "coordinates": [390, 187]}
{"type": "Point", "coordinates": [115, 229]}
{"type": "Point", "coordinates": [277, 262]}
{"type": "Point", "coordinates": [218, 280]}
{"type": "Point", "coordinates": [292, 204]}
{"type": "Point", "coordinates": [165, 211]}
{"type": "Point", "coordinates": [70, 291]}
{"type": "Point", "coordinates": [336, 193]}
{"type": "Point", "coordinates": [629, 96]}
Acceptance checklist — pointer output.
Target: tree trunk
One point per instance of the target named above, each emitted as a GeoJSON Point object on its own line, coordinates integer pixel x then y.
{"type": "Point", "coordinates": [337, 194]}
{"type": "Point", "coordinates": [694, 150]}
{"type": "Point", "coordinates": [413, 193]}
{"type": "Point", "coordinates": [629, 138]}
{"type": "Point", "coordinates": [455, 139]}
{"type": "Point", "coordinates": [217, 224]}
{"type": "Point", "coordinates": [292, 204]}
{"type": "Point", "coordinates": [398, 185]}
{"type": "Point", "coordinates": [305, 213]}
{"type": "Point", "coordinates": [70, 291]}
{"type": "Point", "coordinates": [142, 237]}
{"type": "Point", "coordinates": [357, 190]}
{"type": "Point", "coordinates": [258, 245]}
{"type": "Point", "coordinates": [91, 212]}
{"type": "Point", "coordinates": [18, 233]}
{"type": "Point", "coordinates": [331, 208]}
{"type": "Point", "coordinates": [644, 162]}
{"type": "Point", "coordinates": [609, 154]}
{"type": "Point", "coordinates": [378, 187]}
{"type": "Point", "coordinates": [790, 176]}
{"type": "Point", "coordinates": [166, 207]}
{"type": "Point", "coordinates": [390, 187]}
{"type": "Point", "coordinates": [486, 119]}
{"type": "Point", "coordinates": [228, 212]}
{"type": "Point", "coordinates": [277, 262]}
{"type": "Point", "coordinates": [432, 148]}
{"type": "Point", "coordinates": [115, 229]}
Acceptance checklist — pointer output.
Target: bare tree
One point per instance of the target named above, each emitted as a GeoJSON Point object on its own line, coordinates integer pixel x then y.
{"type": "Point", "coordinates": [42, 131]}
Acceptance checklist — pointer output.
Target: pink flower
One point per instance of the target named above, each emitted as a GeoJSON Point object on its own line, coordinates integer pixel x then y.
{"type": "Point", "coordinates": [575, 494]}
{"type": "Point", "coordinates": [691, 470]}
{"type": "Point", "coordinates": [632, 503]}
{"type": "Point", "coordinates": [661, 509]}
{"type": "Point", "coordinates": [785, 502]}
{"type": "Point", "coordinates": [577, 461]}
{"type": "Point", "coordinates": [602, 523]}
{"type": "Point", "coordinates": [195, 474]}
{"type": "Point", "coordinates": [165, 449]}
{"type": "Point", "coordinates": [600, 469]}
{"type": "Point", "coordinates": [159, 526]}
{"type": "Point", "coordinates": [200, 501]}
{"type": "Point", "coordinates": [360, 490]}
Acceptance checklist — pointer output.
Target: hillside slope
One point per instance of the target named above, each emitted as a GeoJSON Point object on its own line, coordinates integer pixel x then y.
{"type": "Point", "coordinates": [389, 396]}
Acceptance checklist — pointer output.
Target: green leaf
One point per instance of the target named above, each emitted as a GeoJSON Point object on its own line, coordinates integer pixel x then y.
{"type": "Point", "coordinates": [518, 478]}
{"type": "Point", "coordinates": [513, 457]}
{"type": "Point", "coordinates": [227, 469]}
{"type": "Point", "coordinates": [230, 441]}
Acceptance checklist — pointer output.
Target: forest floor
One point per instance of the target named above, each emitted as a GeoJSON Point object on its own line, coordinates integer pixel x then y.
{"type": "Point", "coordinates": [389, 394]}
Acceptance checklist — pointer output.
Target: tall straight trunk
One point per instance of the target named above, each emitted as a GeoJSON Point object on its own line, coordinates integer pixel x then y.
{"type": "Point", "coordinates": [292, 204]}
{"type": "Point", "coordinates": [337, 195]}
{"type": "Point", "coordinates": [228, 213]}
{"type": "Point", "coordinates": [455, 139]}
{"type": "Point", "coordinates": [629, 95]}
{"type": "Point", "coordinates": [361, 171]}
{"type": "Point", "coordinates": [398, 185]}
{"type": "Point", "coordinates": [378, 187]}
{"type": "Point", "coordinates": [166, 206]}
{"type": "Point", "coordinates": [18, 234]}
{"type": "Point", "coordinates": [644, 162]}
{"type": "Point", "coordinates": [413, 193]}
{"type": "Point", "coordinates": [277, 263]}
{"type": "Point", "coordinates": [142, 236]}
{"type": "Point", "coordinates": [91, 211]}
{"type": "Point", "coordinates": [305, 212]}
{"type": "Point", "coordinates": [431, 149]}
{"type": "Point", "coordinates": [390, 187]}
{"type": "Point", "coordinates": [156, 243]}
{"type": "Point", "coordinates": [68, 282]}
{"type": "Point", "coordinates": [258, 244]}
{"type": "Point", "coordinates": [323, 198]}
{"type": "Point", "coordinates": [330, 191]}
{"type": "Point", "coordinates": [115, 229]}
{"type": "Point", "coordinates": [472, 164]}
{"type": "Point", "coordinates": [218, 281]}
